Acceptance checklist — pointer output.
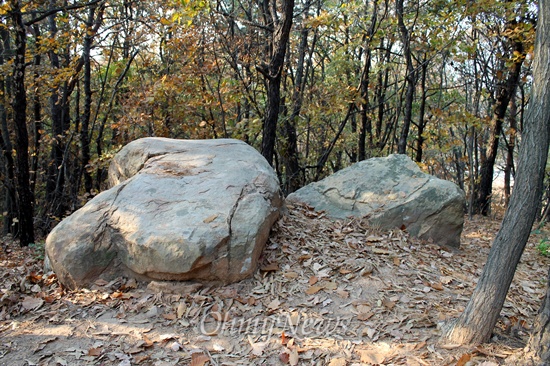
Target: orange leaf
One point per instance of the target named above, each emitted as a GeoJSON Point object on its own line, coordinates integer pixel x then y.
{"type": "Point", "coordinates": [313, 280]}
{"type": "Point", "coordinates": [148, 343]}
{"type": "Point", "coordinates": [116, 295]}
{"type": "Point", "coordinates": [464, 359]}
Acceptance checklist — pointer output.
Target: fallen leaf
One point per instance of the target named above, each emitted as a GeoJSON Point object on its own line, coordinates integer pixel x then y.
{"type": "Point", "coordinates": [274, 305]}
{"type": "Point", "coordinates": [388, 303]}
{"type": "Point", "coordinates": [364, 316]}
{"type": "Point", "coordinates": [284, 357]}
{"type": "Point", "coordinates": [210, 218]}
{"type": "Point", "coordinates": [293, 357]}
{"type": "Point", "coordinates": [291, 275]}
{"type": "Point", "coordinates": [147, 342]}
{"type": "Point", "coordinates": [135, 349]}
{"type": "Point", "coordinates": [271, 267]}
{"type": "Point", "coordinates": [313, 290]}
{"type": "Point", "coordinates": [338, 362]}
{"type": "Point", "coordinates": [371, 356]}
{"type": "Point", "coordinates": [257, 348]}
{"type": "Point", "coordinates": [181, 309]}
{"type": "Point", "coordinates": [313, 280]}
{"type": "Point", "coordinates": [32, 303]}
{"type": "Point", "coordinates": [169, 316]}
{"type": "Point", "coordinates": [94, 352]}
{"type": "Point", "coordinates": [464, 359]}
{"type": "Point", "coordinates": [343, 294]}
{"type": "Point", "coordinates": [199, 359]}
{"type": "Point", "coordinates": [374, 238]}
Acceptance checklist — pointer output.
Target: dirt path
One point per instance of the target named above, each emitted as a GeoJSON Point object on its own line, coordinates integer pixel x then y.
{"type": "Point", "coordinates": [328, 293]}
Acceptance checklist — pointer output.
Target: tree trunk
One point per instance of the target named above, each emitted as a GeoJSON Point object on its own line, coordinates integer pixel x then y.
{"type": "Point", "coordinates": [510, 147]}
{"type": "Point", "coordinates": [19, 105]}
{"type": "Point", "coordinates": [294, 178]}
{"type": "Point", "coordinates": [55, 178]}
{"type": "Point", "coordinates": [538, 348]}
{"type": "Point", "coordinates": [476, 323]}
{"type": "Point", "coordinates": [273, 74]}
{"type": "Point", "coordinates": [10, 196]}
{"type": "Point", "coordinates": [37, 111]}
{"type": "Point", "coordinates": [504, 94]}
{"type": "Point", "coordinates": [85, 118]}
{"type": "Point", "coordinates": [410, 79]}
{"type": "Point", "coordinates": [365, 131]}
{"type": "Point", "coordinates": [92, 24]}
{"type": "Point", "coordinates": [421, 118]}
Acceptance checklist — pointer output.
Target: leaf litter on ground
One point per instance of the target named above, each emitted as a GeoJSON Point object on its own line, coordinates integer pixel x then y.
{"type": "Point", "coordinates": [327, 293]}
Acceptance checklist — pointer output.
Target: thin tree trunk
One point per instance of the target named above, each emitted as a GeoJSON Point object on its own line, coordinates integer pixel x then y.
{"type": "Point", "coordinates": [504, 94]}
{"type": "Point", "coordinates": [510, 147]}
{"type": "Point", "coordinates": [410, 79]}
{"type": "Point", "coordinates": [10, 197]}
{"type": "Point", "coordinates": [365, 131]}
{"type": "Point", "coordinates": [421, 118]}
{"type": "Point", "coordinates": [19, 105]}
{"type": "Point", "coordinates": [476, 323]}
{"type": "Point", "coordinates": [92, 25]}
{"type": "Point", "coordinates": [37, 111]}
{"type": "Point", "coordinates": [294, 179]}
{"type": "Point", "coordinates": [273, 74]}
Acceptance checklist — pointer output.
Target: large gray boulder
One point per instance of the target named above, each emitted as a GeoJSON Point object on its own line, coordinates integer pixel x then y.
{"type": "Point", "coordinates": [178, 210]}
{"type": "Point", "coordinates": [393, 193]}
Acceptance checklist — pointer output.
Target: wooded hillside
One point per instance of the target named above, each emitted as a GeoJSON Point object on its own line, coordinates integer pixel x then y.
{"type": "Point", "coordinates": [314, 85]}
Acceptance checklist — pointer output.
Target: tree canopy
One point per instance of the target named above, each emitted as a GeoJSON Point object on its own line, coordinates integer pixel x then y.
{"type": "Point", "coordinates": [445, 82]}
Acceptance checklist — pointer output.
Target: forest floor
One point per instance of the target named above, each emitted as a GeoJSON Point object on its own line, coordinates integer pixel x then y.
{"type": "Point", "coordinates": [328, 293]}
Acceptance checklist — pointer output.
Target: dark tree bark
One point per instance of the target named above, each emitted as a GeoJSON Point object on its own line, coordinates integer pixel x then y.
{"type": "Point", "coordinates": [273, 74]}
{"type": "Point", "coordinates": [55, 179]}
{"type": "Point", "coordinates": [19, 106]}
{"type": "Point", "coordinates": [92, 25]}
{"type": "Point", "coordinates": [410, 78]}
{"type": "Point", "coordinates": [10, 196]}
{"type": "Point", "coordinates": [503, 96]}
{"type": "Point", "coordinates": [381, 88]}
{"type": "Point", "coordinates": [37, 114]}
{"type": "Point", "coordinates": [539, 343]}
{"type": "Point", "coordinates": [476, 323]}
{"type": "Point", "coordinates": [421, 118]}
{"type": "Point", "coordinates": [365, 130]}
{"type": "Point", "coordinates": [294, 174]}
{"type": "Point", "coordinates": [510, 147]}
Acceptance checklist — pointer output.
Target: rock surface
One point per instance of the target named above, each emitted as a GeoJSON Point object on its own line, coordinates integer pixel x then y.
{"type": "Point", "coordinates": [177, 210]}
{"type": "Point", "coordinates": [393, 193]}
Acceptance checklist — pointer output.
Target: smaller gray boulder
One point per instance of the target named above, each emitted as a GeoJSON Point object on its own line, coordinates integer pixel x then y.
{"type": "Point", "coordinates": [177, 210]}
{"type": "Point", "coordinates": [392, 192]}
